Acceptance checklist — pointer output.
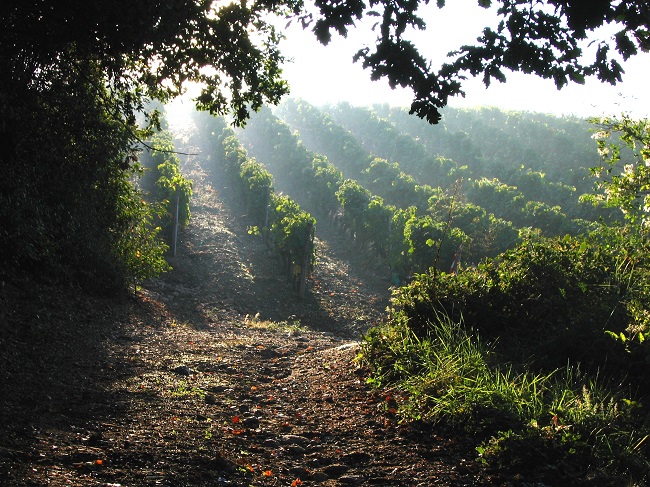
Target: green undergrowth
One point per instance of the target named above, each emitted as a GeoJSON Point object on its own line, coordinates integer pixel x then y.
{"type": "Point", "coordinates": [562, 418]}
{"type": "Point", "coordinates": [537, 423]}
{"type": "Point", "coordinates": [291, 325]}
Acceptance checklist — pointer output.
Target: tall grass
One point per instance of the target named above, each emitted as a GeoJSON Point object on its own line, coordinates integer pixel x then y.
{"type": "Point", "coordinates": [452, 376]}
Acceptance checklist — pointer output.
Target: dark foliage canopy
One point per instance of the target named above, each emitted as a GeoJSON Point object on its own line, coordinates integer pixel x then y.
{"type": "Point", "coordinates": [150, 47]}
{"type": "Point", "coordinates": [74, 74]}
{"type": "Point", "coordinates": [233, 49]}
{"type": "Point", "coordinates": [545, 38]}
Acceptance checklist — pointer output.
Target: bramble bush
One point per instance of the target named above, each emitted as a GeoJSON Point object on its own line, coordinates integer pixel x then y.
{"type": "Point", "coordinates": [546, 301]}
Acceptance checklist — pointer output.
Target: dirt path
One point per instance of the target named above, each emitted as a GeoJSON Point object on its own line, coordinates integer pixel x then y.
{"type": "Point", "coordinates": [216, 375]}
{"type": "Point", "coordinates": [220, 271]}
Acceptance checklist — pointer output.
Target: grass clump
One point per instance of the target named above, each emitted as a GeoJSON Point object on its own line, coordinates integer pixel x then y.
{"type": "Point", "coordinates": [289, 326]}
{"type": "Point", "coordinates": [184, 390]}
{"type": "Point", "coordinates": [524, 421]}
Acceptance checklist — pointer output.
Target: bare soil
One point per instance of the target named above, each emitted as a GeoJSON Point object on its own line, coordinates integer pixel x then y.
{"type": "Point", "coordinates": [214, 374]}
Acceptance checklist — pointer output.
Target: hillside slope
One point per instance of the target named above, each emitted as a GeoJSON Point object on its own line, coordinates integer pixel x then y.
{"type": "Point", "coordinates": [215, 374]}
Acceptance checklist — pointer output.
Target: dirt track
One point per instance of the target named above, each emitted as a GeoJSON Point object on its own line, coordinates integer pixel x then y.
{"type": "Point", "coordinates": [216, 375]}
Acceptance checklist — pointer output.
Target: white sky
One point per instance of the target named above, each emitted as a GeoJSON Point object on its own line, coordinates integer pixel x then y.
{"type": "Point", "coordinates": [326, 74]}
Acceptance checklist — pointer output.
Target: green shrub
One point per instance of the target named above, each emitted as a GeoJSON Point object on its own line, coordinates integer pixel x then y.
{"type": "Point", "coordinates": [549, 300]}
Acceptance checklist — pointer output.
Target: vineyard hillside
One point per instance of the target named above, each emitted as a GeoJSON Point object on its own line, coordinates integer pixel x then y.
{"type": "Point", "coordinates": [225, 371]}
{"type": "Point", "coordinates": [214, 374]}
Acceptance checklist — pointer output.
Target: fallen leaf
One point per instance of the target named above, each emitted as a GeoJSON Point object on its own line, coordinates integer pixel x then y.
{"type": "Point", "coordinates": [267, 473]}
{"type": "Point", "coordinates": [296, 483]}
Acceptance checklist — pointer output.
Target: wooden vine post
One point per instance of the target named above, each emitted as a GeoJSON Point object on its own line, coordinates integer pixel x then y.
{"type": "Point", "coordinates": [390, 249]}
{"type": "Point", "coordinates": [306, 261]}
{"type": "Point", "coordinates": [267, 207]}
{"type": "Point", "coordinates": [175, 229]}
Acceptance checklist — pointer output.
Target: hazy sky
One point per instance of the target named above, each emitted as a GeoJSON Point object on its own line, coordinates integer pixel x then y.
{"type": "Point", "coordinates": [322, 74]}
